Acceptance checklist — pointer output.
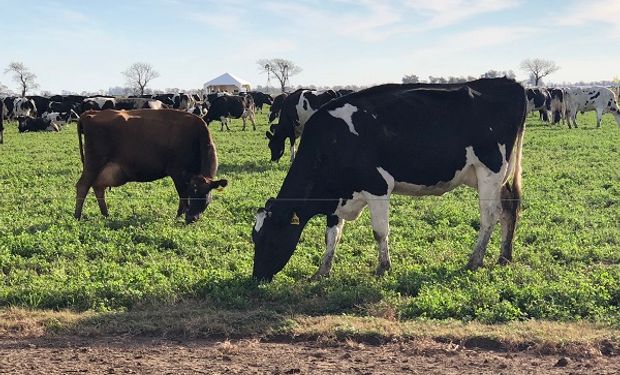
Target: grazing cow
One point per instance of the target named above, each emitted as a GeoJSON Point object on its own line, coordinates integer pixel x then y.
{"type": "Point", "coordinates": [98, 103]}
{"type": "Point", "coordinates": [182, 101]}
{"type": "Point", "coordinates": [260, 99]}
{"type": "Point", "coordinates": [24, 107]}
{"type": "Point", "coordinates": [146, 145]}
{"type": "Point", "coordinates": [2, 110]}
{"type": "Point", "coordinates": [411, 139]}
{"type": "Point", "coordinates": [229, 106]}
{"type": "Point", "coordinates": [599, 99]}
{"type": "Point", "coordinates": [276, 107]}
{"type": "Point", "coordinates": [538, 99]}
{"type": "Point", "coordinates": [40, 102]}
{"type": "Point", "coordinates": [32, 124]}
{"type": "Point", "coordinates": [558, 105]}
{"type": "Point", "coordinates": [296, 110]}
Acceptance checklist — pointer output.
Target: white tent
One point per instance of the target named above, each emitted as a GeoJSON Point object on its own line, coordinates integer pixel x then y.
{"type": "Point", "coordinates": [227, 83]}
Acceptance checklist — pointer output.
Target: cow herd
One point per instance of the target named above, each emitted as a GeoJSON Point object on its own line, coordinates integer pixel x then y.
{"type": "Point", "coordinates": [563, 104]}
{"type": "Point", "coordinates": [357, 149]}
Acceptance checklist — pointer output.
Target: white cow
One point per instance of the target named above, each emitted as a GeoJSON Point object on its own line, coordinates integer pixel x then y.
{"type": "Point", "coordinates": [599, 99]}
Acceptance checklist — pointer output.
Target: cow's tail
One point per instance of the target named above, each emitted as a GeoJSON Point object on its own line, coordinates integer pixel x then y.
{"type": "Point", "coordinates": [208, 154]}
{"type": "Point", "coordinates": [80, 132]}
{"type": "Point", "coordinates": [516, 174]}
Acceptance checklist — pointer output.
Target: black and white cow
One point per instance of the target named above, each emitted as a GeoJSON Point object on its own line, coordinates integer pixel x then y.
{"type": "Point", "coordinates": [226, 107]}
{"type": "Point", "coordinates": [24, 107]}
{"type": "Point", "coordinates": [137, 103]}
{"type": "Point", "coordinates": [599, 99]}
{"type": "Point", "coordinates": [261, 99]}
{"type": "Point", "coordinates": [61, 118]}
{"type": "Point", "coordinates": [183, 101]}
{"type": "Point", "coordinates": [296, 110]}
{"type": "Point", "coordinates": [409, 139]}
{"type": "Point", "coordinates": [98, 103]}
{"type": "Point", "coordinates": [31, 124]}
{"type": "Point", "coordinates": [199, 109]}
{"type": "Point", "coordinates": [276, 107]}
{"type": "Point", "coordinates": [538, 99]}
{"type": "Point", "coordinates": [558, 105]}
{"type": "Point", "coordinates": [166, 99]}
{"type": "Point", "coordinates": [40, 102]}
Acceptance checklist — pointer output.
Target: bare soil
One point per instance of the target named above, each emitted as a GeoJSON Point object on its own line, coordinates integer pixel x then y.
{"type": "Point", "coordinates": [131, 355]}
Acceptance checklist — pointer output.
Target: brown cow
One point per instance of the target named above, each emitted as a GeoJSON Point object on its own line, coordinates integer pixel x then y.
{"type": "Point", "coordinates": [146, 145]}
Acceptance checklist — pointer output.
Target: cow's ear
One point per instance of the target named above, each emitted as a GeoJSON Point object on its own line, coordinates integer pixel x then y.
{"type": "Point", "coordinates": [272, 127]}
{"type": "Point", "coordinates": [219, 184]}
{"type": "Point", "coordinates": [269, 135]}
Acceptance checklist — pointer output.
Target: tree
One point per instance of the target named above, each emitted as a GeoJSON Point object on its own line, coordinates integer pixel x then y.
{"type": "Point", "coordinates": [282, 69]}
{"type": "Point", "coordinates": [538, 68]}
{"type": "Point", "coordinates": [23, 76]}
{"type": "Point", "coordinates": [4, 91]}
{"type": "Point", "coordinates": [411, 78]}
{"type": "Point", "coordinates": [139, 75]}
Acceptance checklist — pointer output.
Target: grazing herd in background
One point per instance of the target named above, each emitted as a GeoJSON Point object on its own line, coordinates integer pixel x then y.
{"type": "Point", "coordinates": [357, 149]}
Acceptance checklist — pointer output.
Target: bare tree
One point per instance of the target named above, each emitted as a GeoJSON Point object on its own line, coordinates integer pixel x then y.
{"type": "Point", "coordinates": [411, 78]}
{"type": "Point", "coordinates": [282, 69]}
{"type": "Point", "coordinates": [539, 68]}
{"type": "Point", "coordinates": [139, 75]}
{"type": "Point", "coordinates": [23, 76]}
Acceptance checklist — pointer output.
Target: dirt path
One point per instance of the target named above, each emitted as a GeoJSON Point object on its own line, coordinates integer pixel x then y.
{"type": "Point", "coordinates": [143, 356]}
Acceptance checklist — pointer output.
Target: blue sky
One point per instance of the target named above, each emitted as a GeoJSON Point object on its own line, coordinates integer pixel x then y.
{"type": "Point", "coordinates": [84, 45]}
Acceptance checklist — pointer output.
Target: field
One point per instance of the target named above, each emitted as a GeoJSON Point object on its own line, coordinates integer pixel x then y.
{"type": "Point", "coordinates": [567, 249]}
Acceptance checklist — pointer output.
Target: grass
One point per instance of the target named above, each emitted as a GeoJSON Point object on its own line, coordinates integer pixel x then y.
{"type": "Point", "coordinates": [567, 250]}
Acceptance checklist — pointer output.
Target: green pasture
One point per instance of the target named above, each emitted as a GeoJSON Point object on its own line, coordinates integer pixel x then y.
{"type": "Point", "coordinates": [567, 248]}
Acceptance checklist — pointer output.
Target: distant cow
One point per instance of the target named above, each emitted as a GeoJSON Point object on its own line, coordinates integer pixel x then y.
{"type": "Point", "coordinates": [41, 103]}
{"type": "Point", "coordinates": [538, 99]}
{"type": "Point", "coordinates": [228, 106]}
{"type": "Point", "coordinates": [183, 101]}
{"type": "Point", "coordinates": [137, 103]}
{"type": "Point", "coordinates": [146, 145]}
{"type": "Point", "coordinates": [296, 110]}
{"type": "Point", "coordinates": [9, 105]}
{"type": "Point", "coordinates": [558, 105]}
{"type": "Point", "coordinates": [166, 99]}
{"type": "Point", "coordinates": [60, 118]}
{"type": "Point", "coordinates": [24, 107]}
{"type": "Point", "coordinates": [97, 103]}
{"type": "Point", "coordinates": [276, 107]}
{"type": "Point", "coordinates": [32, 124]}
{"type": "Point", "coordinates": [199, 109]}
{"type": "Point", "coordinates": [261, 99]}
{"type": "Point", "coordinates": [412, 139]}
{"type": "Point", "coordinates": [599, 99]}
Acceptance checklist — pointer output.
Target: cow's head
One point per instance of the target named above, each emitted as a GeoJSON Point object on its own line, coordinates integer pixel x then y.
{"type": "Point", "coordinates": [275, 236]}
{"type": "Point", "coordinates": [200, 188]}
{"type": "Point", "coordinates": [23, 123]}
{"type": "Point", "coordinates": [276, 142]}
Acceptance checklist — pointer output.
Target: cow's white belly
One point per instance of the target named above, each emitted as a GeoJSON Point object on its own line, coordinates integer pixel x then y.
{"type": "Point", "coordinates": [465, 176]}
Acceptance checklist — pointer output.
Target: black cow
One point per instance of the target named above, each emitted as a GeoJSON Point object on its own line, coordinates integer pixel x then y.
{"type": "Point", "coordinates": [296, 110]}
{"type": "Point", "coordinates": [9, 103]}
{"type": "Point", "coordinates": [538, 99]}
{"type": "Point", "coordinates": [260, 99]}
{"type": "Point", "coordinates": [210, 98]}
{"type": "Point", "coordinates": [231, 106]}
{"type": "Point", "coordinates": [276, 107]}
{"type": "Point", "coordinates": [31, 124]}
{"type": "Point", "coordinates": [166, 99]}
{"type": "Point", "coordinates": [411, 139]}
{"type": "Point", "coordinates": [97, 103]}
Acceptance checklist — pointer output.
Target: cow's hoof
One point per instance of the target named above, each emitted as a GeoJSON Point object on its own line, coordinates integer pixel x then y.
{"type": "Point", "coordinates": [473, 266]}
{"type": "Point", "coordinates": [503, 261]}
{"type": "Point", "coordinates": [381, 270]}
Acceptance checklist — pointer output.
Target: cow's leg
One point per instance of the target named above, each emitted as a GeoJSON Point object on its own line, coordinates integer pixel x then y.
{"type": "Point", "coordinates": [379, 210]}
{"type": "Point", "coordinates": [511, 203]}
{"type": "Point", "coordinates": [332, 238]}
{"type": "Point", "coordinates": [489, 190]}
{"type": "Point", "coordinates": [292, 141]}
{"type": "Point", "coordinates": [83, 185]}
{"type": "Point", "coordinates": [253, 120]}
{"type": "Point", "coordinates": [100, 194]}
{"type": "Point", "coordinates": [111, 175]}
{"type": "Point", "coordinates": [243, 119]}
{"type": "Point", "coordinates": [599, 117]}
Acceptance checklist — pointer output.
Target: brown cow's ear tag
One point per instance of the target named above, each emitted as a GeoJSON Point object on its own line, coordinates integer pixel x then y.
{"type": "Point", "coordinates": [295, 219]}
